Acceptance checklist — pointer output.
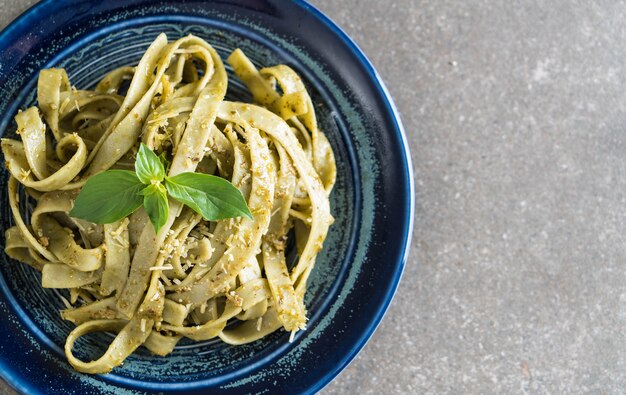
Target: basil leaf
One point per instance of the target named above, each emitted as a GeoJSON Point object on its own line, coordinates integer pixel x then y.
{"type": "Point", "coordinates": [108, 197]}
{"type": "Point", "coordinates": [148, 166]}
{"type": "Point", "coordinates": [155, 204]}
{"type": "Point", "coordinates": [210, 196]}
{"type": "Point", "coordinates": [166, 163]}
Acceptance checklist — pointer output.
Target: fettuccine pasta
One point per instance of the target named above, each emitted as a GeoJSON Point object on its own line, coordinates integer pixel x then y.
{"type": "Point", "coordinates": [194, 276]}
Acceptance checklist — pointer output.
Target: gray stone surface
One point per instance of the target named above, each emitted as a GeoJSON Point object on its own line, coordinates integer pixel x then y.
{"type": "Point", "coordinates": [516, 115]}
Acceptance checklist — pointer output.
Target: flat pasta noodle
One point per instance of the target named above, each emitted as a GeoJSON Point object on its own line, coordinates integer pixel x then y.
{"type": "Point", "coordinates": [193, 276]}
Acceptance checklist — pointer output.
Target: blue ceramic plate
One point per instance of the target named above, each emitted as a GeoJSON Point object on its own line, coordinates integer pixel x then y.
{"type": "Point", "coordinates": [363, 257]}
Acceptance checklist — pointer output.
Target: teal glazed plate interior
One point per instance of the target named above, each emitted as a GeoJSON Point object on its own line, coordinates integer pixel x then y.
{"type": "Point", "coordinates": [360, 266]}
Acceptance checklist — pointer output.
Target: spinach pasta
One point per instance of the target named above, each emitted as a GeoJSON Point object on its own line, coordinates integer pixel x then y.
{"type": "Point", "coordinates": [160, 270]}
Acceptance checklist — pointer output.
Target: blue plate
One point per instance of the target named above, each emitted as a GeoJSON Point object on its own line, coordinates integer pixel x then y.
{"type": "Point", "coordinates": [363, 257]}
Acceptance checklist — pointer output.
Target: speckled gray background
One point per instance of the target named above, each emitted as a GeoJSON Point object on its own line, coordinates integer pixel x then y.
{"type": "Point", "coordinates": [516, 117]}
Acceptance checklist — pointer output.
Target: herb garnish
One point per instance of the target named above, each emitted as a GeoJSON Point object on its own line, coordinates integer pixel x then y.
{"type": "Point", "coordinates": [114, 194]}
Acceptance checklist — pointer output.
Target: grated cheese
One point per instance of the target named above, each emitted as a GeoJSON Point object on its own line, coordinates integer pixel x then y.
{"type": "Point", "coordinates": [163, 267]}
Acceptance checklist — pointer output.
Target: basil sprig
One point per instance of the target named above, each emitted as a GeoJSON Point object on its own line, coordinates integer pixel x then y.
{"type": "Point", "coordinates": [114, 194]}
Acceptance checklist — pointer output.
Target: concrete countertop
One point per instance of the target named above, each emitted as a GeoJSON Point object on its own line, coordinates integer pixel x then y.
{"type": "Point", "coordinates": [515, 114]}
